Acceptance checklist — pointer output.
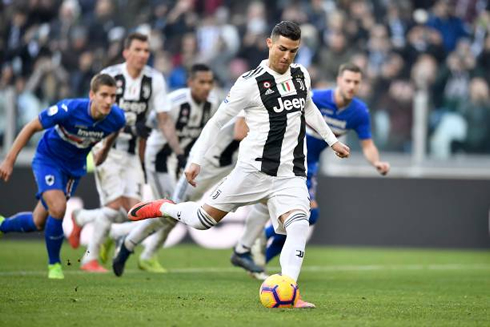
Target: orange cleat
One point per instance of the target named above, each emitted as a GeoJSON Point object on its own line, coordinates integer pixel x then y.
{"type": "Point", "coordinates": [304, 305]}
{"type": "Point", "coordinates": [94, 267]}
{"type": "Point", "coordinates": [146, 210]}
{"type": "Point", "coordinates": [74, 238]}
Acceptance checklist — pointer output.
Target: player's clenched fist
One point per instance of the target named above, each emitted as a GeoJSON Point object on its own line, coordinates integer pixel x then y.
{"type": "Point", "coordinates": [191, 173]}
{"type": "Point", "coordinates": [341, 150]}
{"type": "Point", "coordinates": [6, 170]}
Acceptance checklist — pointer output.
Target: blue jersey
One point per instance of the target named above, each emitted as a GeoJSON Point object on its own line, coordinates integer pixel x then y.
{"type": "Point", "coordinates": [71, 132]}
{"type": "Point", "coordinates": [353, 117]}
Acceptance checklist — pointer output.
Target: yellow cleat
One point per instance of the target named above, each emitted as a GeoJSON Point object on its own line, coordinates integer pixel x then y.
{"type": "Point", "coordinates": [2, 218]}
{"type": "Point", "coordinates": [152, 265]}
{"type": "Point", "coordinates": [55, 271]}
{"type": "Point", "coordinates": [105, 248]}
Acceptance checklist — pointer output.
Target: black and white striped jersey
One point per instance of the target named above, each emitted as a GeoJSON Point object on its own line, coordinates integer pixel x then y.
{"type": "Point", "coordinates": [137, 97]}
{"type": "Point", "coordinates": [277, 108]}
{"type": "Point", "coordinates": [189, 118]}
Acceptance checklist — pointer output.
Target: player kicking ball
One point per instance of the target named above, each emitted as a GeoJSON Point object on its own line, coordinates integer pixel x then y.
{"type": "Point", "coordinates": [73, 127]}
{"type": "Point", "coordinates": [276, 99]}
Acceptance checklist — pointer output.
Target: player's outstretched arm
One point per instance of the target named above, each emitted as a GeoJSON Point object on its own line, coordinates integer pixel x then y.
{"type": "Point", "coordinates": [20, 142]}
{"type": "Point", "coordinates": [371, 154]}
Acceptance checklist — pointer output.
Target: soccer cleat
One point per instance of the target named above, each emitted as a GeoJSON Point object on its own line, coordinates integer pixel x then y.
{"type": "Point", "coordinates": [258, 250]}
{"type": "Point", "coordinates": [145, 210]}
{"type": "Point", "coordinates": [245, 261]}
{"type": "Point", "coordinates": [93, 266]}
{"type": "Point", "coordinates": [300, 304]}
{"type": "Point", "coordinates": [259, 275]}
{"type": "Point", "coordinates": [74, 237]}
{"type": "Point", "coordinates": [152, 265]}
{"type": "Point", "coordinates": [55, 271]}
{"type": "Point", "coordinates": [105, 248]}
{"type": "Point", "coordinates": [121, 256]}
{"type": "Point", "coordinates": [2, 218]}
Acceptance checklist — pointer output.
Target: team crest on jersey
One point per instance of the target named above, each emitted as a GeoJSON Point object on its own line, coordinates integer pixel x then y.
{"type": "Point", "coordinates": [53, 110]}
{"type": "Point", "coordinates": [301, 84]}
{"type": "Point", "coordinates": [49, 179]}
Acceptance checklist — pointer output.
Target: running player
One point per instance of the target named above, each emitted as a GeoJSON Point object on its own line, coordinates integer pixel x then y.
{"type": "Point", "coordinates": [120, 179]}
{"type": "Point", "coordinates": [277, 103]}
{"type": "Point", "coordinates": [190, 110]}
{"type": "Point", "coordinates": [72, 127]}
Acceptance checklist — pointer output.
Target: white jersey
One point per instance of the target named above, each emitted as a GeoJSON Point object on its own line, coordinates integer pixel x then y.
{"type": "Point", "coordinates": [224, 150]}
{"type": "Point", "coordinates": [277, 108]}
{"type": "Point", "coordinates": [189, 118]}
{"type": "Point", "coordinates": [137, 97]}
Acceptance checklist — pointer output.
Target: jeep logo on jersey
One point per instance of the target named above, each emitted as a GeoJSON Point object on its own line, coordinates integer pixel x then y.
{"type": "Point", "coordinates": [289, 104]}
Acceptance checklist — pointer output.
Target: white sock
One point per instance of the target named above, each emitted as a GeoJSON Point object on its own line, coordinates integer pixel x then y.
{"type": "Point", "coordinates": [254, 225]}
{"type": "Point", "coordinates": [141, 231]}
{"type": "Point", "coordinates": [86, 216]}
{"type": "Point", "coordinates": [189, 213]}
{"type": "Point", "coordinates": [293, 252]}
{"type": "Point", "coordinates": [155, 242]}
{"type": "Point", "coordinates": [122, 229]}
{"type": "Point", "coordinates": [102, 226]}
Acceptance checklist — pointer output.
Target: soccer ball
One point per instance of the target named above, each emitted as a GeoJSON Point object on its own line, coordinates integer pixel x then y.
{"type": "Point", "coordinates": [279, 291]}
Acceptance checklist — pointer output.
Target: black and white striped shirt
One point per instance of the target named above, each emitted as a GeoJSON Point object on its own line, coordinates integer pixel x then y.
{"type": "Point", "coordinates": [277, 108]}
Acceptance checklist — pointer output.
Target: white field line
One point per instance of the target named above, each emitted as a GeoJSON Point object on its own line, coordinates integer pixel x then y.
{"type": "Point", "coordinates": [454, 266]}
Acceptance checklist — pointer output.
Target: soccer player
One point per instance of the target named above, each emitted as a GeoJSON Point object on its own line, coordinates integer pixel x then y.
{"type": "Point", "coordinates": [72, 127]}
{"type": "Point", "coordinates": [120, 179]}
{"type": "Point", "coordinates": [190, 110]}
{"type": "Point", "coordinates": [343, 112]}
{"type": "Point", "coordinates": [271, 163]}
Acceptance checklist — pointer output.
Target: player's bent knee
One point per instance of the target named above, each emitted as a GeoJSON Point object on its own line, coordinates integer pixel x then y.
{"type": "Point", "coordinates": [57, 210]}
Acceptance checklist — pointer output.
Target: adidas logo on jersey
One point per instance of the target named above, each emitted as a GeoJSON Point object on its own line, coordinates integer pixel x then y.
{"type": "Point", "coordinates": [269, 92]}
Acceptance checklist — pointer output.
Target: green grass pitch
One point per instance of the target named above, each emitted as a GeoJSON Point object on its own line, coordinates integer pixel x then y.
{"type": "Point", "coordinates": [350, 286]}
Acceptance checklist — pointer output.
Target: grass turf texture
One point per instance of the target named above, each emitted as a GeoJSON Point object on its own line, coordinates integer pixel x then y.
{"type": "Point", "coordinates": [350, 286]}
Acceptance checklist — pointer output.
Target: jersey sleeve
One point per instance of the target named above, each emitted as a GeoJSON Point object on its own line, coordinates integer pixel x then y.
{"type": "Point", "coordinates": [363, 128]}
{"type": "Point", "coordinates": [236, 100]}
{"type": "Point", "coordinates": [160, 100]}
{"type": "Point", "coordinates": [313, 116]}
{"type": "Point", "coordinates": [55, 114]}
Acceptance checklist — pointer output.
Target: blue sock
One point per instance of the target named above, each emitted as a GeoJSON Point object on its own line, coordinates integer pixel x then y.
{"type": "Point", "coordinates": [275, 247]}
{"type": "Point", "coordinates": [314, 213]}
{"type": "Point", "coordinates": [269, 232]}
{"type": "Point", "coordinates": [23, 222]}
{"type": "Point", "coordinates": [53, 235]}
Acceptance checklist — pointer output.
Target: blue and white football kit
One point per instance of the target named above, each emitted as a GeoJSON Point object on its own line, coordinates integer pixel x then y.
{"type": "Point", "coordinates": [71, 132]}
{"type": "Point", "coordinates": [341, 120]}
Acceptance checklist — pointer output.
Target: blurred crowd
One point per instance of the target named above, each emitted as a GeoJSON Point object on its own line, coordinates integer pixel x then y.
{"type": "Point", "coordinates": [49, 49]}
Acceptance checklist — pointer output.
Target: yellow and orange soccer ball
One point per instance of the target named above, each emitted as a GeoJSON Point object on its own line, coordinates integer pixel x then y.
{"type": "Point", "coordinates": [279, 291]}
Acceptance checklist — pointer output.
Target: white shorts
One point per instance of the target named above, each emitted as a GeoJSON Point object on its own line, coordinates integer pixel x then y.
{"type": "Point", "coordinates": [162, 184]}
{"type": "Point", "coordinates": [121, 175]}
{"type": "Point", "coordinates": [246, 185]}
{"type": "Point", "coordinates": [210, 176]}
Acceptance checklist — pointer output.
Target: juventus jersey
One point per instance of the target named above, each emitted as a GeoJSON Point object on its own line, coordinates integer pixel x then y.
{"type": "Point", "coordinates": [189, 118]}
{"type": "Point", "coordinates": [137, 97]}
{"type": "Point", "coordinates": [277, 108]}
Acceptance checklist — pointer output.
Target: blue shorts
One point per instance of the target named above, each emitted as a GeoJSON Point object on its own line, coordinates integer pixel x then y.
{"type": "Point", "coordinates": [50, 177]}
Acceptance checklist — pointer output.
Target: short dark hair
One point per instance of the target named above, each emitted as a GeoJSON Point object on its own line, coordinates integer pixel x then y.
{"type": "Point", "coordinates": [349, 67]}
{"type": "Point", "coordinates": [134, 36]}
{"type": "Point", "coordinates": [288, 29]}
{"type": "Point", "coordinates": [198, 68]}
{"type": "Point", "coordinates": [100, 80]}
